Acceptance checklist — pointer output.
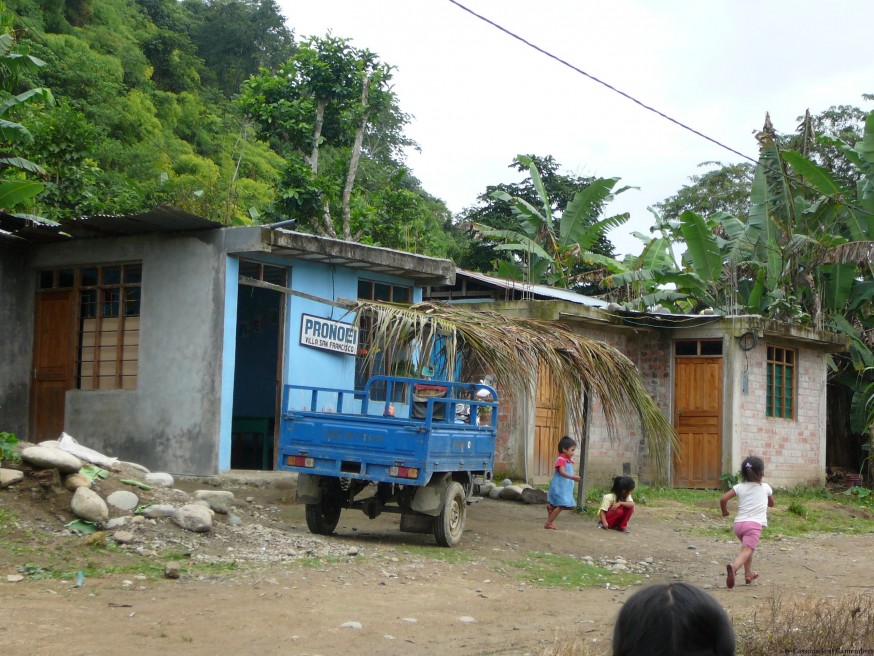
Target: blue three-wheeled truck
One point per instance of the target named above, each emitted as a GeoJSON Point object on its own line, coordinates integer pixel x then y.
{"type": "Point", "coordinates": [416, 447]}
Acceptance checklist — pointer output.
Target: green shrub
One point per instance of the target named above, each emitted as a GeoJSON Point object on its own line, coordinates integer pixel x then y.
{"type": "Point", "coordinates": [9, 447]}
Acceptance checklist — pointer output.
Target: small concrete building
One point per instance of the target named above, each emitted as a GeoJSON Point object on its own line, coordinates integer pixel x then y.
{"type": "Point", "coordinates": [731, 386]}
{"type": "Point", "coordinates": [165, 339]}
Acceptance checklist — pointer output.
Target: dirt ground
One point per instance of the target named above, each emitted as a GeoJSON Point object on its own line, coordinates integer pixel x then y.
{"type": "Point", "coordinates": [408, 596]}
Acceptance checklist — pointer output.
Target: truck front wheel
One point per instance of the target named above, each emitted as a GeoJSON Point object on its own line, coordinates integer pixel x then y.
{"type": "Point", "coordinates": [322, 517]}
{"type": "Point", "coordinates": [449, 524]}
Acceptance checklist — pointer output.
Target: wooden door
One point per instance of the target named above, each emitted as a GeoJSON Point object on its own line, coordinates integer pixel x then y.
{"type": "Point", "coordinates": [548, 426]}
{"type": "Point", "coordinates": [53, 360]}
{"type": "Point", "coordinates": [698, 422]}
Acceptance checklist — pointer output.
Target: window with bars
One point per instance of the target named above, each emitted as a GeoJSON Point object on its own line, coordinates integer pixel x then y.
{"type": "Point", "coordinates": [781, 383]}
{"type": "Point", "coordinates": [381, 362]}
{"type": "Point", "coordinates": [108, 322]}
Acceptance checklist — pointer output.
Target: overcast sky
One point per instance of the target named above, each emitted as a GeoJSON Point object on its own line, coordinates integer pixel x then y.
{"type": "Point", "coordinates": [480, 97]}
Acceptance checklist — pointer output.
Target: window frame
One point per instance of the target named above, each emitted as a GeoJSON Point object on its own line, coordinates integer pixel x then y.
{"type": "Point", "coordinates": [107, 317]}
{"type": "Point", "coordinates": [366, 367]}
{"type": "Point", "coordinates": [778, 397]}
{"type": "Point", "coordinates": [699, 347]}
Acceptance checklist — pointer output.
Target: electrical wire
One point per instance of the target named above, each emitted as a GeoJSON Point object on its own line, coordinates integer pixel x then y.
{"type": "Point", "coordinates": [628, 96]}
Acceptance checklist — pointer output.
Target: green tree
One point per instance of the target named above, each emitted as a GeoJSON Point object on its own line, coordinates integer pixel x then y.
{"type": "Point", "coordinates": [17, 188]}
{"type": "Point", "coordinates": [482, 254]}
{"type": "Point", "coordinates": [723, 189]}
{"type": "Point", "coordinates": [547, 248]}
{"type": "Point", "coordinates": [236, 38]}
{"type": "Point", "coordinates": [316, 110]}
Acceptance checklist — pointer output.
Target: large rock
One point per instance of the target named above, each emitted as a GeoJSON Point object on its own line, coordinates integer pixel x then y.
{"type": "Point", "coordinates": [159, 510]}
{"type": "Point", "coordinates": [533, 495]}
{"type": "Point", "coordinates": [88, 505]}
{"type": "Point", "coordinates": [195, 518]}
{"type": "Point", "coordinates": [10, 477]}
{"type": "Point", "coordinates": [220, 501]}
{"type": "Point", "coordinates": [511, 493]}
{"type": "Point", "coordinates": [40, 456]}
{"type": "Point", "coordinates": [75, 481]}
{"type": "Point", "coordinates": [123, 500]}
{"type": "Point", "coordinates": [159, 479]}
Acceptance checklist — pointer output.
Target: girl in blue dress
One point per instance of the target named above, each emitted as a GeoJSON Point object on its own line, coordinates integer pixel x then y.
{"type": "Point", "coordinates": [561, 488]}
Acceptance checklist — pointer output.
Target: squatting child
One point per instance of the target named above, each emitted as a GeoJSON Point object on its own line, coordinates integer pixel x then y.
{"type": "Point", "coordinates": [617, 506]}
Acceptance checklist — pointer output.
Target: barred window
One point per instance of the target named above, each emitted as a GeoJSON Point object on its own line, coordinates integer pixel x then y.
{"type": "Point", "coordinates": [781, 383]}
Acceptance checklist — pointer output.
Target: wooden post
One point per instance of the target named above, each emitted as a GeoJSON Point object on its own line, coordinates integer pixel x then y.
{"type": "Point", "coordinates": [584, 449]}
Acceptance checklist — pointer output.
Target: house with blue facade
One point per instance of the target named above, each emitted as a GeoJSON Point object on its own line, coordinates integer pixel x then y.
{"type": "Point", "coordinates": [166, 339]}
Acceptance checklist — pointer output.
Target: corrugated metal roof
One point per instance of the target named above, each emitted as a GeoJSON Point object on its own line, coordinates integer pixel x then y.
{"type": "Point", "coordinates": [164, 218]}
{"type": "Point", "coordinates": [534, 289]}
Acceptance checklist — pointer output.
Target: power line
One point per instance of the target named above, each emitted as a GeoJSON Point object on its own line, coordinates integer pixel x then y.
{"type": "Point", "coordinates": [628, 96]}
{"type": "Point", "coordinates": [600, 81]}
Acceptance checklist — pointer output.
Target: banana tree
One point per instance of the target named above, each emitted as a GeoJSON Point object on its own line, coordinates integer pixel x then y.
{"type": "Point", "coordinates": [550, 250]}
{"type": "Point", "coordinates": [15, 189]}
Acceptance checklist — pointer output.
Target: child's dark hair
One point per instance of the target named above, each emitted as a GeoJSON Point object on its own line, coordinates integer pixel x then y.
{"type": "Point", "coordinates": [673, 619]}
{"type": "Point", "coordinates": [752, 469]}
{"type": "Point", "coordinates": [566, 443]}
{"type": "Point", "coordinates": [622, 486]}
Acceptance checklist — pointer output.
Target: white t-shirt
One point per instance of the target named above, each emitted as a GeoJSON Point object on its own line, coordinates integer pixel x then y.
{"type": "Point", "coordinates": [752, 502]}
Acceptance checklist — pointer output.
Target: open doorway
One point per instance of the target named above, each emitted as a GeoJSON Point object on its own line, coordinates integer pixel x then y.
{"type": "Point", "coordinates": [258, 365]}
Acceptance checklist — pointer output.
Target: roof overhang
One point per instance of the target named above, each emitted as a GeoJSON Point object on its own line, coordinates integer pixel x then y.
{"type": "Point", "coordinates": [423, 270]}
{"type": "Point", "coordinates": [164, 218]}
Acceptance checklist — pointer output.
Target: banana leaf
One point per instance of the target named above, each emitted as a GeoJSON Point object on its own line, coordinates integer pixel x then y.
{"type": "Point", "coordinates": [701, 247]}
{"type": "Point", "coordinates": [15, 192]}
{"type": "Point", "coordinates": [837, 282]}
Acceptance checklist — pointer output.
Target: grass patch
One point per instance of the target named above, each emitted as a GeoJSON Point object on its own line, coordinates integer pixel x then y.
{"type": "Point", "coordinates": [799, 511]}
{"type": "Point", "coordinates": [555, 571]}
{"type": "Point", "coordinates": [7, 517]}
{"type": "Point", "coordinates": [443, 554]}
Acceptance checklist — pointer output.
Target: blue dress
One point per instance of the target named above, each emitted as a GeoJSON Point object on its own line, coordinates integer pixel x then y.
{"type": "Point", "coordinates": [561, 489]}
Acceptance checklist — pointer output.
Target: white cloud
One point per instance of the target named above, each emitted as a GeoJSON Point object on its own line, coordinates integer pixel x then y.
{"type": "Point", "coordinates": [479, 97]}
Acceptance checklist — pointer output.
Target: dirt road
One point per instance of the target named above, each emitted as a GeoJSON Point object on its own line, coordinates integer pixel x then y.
{"type": "Point", "coordinates": [407, 596]}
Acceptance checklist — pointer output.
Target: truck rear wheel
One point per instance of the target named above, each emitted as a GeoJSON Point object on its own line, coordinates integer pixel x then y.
{"type": "Point", "coordinates": [449, 524]}
{"type": "Point", "coordinates": [322, 517]}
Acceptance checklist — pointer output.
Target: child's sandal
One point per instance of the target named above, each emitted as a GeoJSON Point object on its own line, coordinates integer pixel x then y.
{"type": "Point", "coordinates": [752, 577]}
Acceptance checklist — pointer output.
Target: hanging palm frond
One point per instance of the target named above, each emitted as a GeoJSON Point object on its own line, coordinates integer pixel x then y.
{"type": "Point", "coordinates": [514, 349]}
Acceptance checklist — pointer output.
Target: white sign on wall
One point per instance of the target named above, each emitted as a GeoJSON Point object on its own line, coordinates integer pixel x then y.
{"type": "Point", "coordinates": [336, 336]}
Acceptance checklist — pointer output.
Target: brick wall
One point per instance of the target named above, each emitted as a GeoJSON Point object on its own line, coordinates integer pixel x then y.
{"type": "Point", "coordinates": [793, 449]}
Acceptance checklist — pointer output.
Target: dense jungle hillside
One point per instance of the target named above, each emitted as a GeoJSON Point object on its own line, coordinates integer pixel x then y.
{"type": "Point", "coordinates": [145, 108]}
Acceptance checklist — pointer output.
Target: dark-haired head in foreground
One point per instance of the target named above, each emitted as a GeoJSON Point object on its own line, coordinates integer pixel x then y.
{"type": "Point", "coordinates": [672, 619]}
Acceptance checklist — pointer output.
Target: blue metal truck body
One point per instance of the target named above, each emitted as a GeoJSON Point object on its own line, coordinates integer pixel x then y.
{"type": "Point", "coordinates": [399, 435]}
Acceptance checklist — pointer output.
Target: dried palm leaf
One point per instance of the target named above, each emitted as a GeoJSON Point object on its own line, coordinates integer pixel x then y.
{"type": "Point", "coordinates": [514, 349]}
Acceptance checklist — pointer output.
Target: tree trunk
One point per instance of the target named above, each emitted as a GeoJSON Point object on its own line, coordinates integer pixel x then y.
{"type": "Point", "coordinates": [328, 224]}
{"type": "Point", "coordinates": [353, 161]}
{"type": "Point", "coordinates": [317, 136]}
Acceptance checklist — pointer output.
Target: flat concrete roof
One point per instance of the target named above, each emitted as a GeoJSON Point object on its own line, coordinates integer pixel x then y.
{"type": "Point", "coordinates": [424, 270]}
